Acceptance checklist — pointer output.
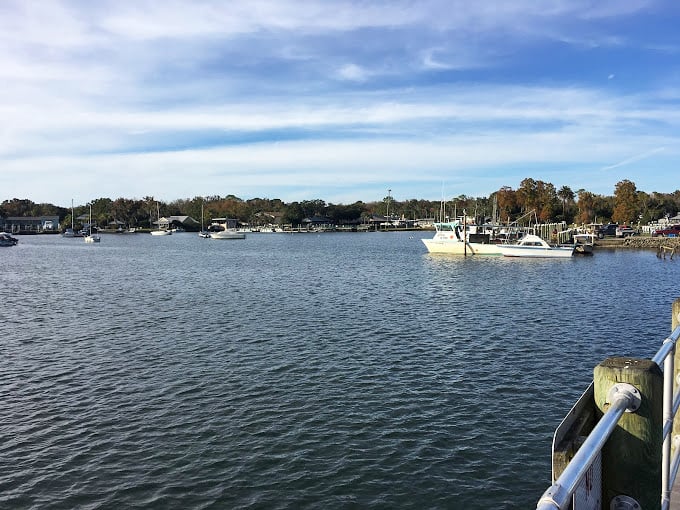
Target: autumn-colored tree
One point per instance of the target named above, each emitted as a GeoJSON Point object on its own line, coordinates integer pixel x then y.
{"type": "Point", "coordinates": [626, 207]}
{"type": "Point", "coordinates": [547, 201]}
{"type": "Point", "coordinates": [586, 206]}
{"type": "Point", "coordinates": [506, 202]}
{"type": "Point", "coordinates": [527, 194]}
{"type": "Point", "coordinates": [538, 196]}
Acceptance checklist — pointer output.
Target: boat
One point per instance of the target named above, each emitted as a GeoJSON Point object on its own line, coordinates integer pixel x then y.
{"type": "Point", "coordinates": [584, 244]}
{"type": "Point", "coordinates": [228, 233]}
{"type": "Point", "coordinates": [70, 232]}
{"type": "Point", "coordinates": [203, 233]}
{"type": "Point", "coordinates": [159, 231]}
{"type": "Point", "coordinates": [220, 229]}
{"type": "Point", "coordinates": [533, 246]}
{"type": "Point", "coordinates": [91, 237]}
{"type": "Point", "coordinates": [7, 240]}
{"type": "Point", "coordinates": [449, 238]}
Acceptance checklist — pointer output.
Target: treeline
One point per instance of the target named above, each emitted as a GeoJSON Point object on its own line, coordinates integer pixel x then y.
{"type": "Point", "coordinates": [627, 205]}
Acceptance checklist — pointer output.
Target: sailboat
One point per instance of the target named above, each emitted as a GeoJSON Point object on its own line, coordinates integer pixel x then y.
{"type": "Point", "coordinates": [159, 231]}
{"type": "Point", "coordinates": [203, 233]}
{"type": "Point", "coordinates": [69, 232]}
{"type": "Point", "coordinates": [90, 237]}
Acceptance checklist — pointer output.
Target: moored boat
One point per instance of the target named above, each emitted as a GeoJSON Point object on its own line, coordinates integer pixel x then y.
{"type": "Point", "coordinates": [534, 246]}
{"type": "Point", "coordinates": [203, 233]}
{"type": "Point", "coordinates": [159, 231]}
{"type": "Point", "coordinates": [92, 236]}
{"type": "Point", "coordinates": [584, 244]}
{"type": "Point", "coordinates": [223, 228]}
{"type": "Point", "coordinates": [7, 240]}
{"type": "Point", "coordinates": [449, 238]}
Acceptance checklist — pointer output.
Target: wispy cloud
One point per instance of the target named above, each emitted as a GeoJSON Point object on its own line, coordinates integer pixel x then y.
{"type": "Point", "coordinates": [299, 90]}
{"type": "Point", "coordinates": [636, 158]}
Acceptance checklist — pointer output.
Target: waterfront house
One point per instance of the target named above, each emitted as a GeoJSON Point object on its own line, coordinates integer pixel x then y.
{"type": "Point", "coordinates": [186, 222]}
{"type": "Point", "coordinates": [30, 224]}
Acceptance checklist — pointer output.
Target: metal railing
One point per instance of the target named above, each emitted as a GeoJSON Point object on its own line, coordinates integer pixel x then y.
{"type": "Point", "coordinates": [624, 398]}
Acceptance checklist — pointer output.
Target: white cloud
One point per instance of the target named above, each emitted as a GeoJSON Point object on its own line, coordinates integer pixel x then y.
{"type": "Point", "coordinates": [352, 72]}
{"type": "Point", "coordinates": [115, 87]}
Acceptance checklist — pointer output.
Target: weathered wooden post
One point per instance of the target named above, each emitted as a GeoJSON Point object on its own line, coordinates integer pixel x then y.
{"type": "Point", "coordinates": [631, 458]}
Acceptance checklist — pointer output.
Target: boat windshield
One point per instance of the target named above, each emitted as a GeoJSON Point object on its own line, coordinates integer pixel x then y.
{"type": "Point", "coordinates": [446, 227]}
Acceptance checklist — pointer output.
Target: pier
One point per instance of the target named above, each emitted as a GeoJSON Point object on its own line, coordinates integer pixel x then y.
{"type": "Point", "coordinates": [619, 446]}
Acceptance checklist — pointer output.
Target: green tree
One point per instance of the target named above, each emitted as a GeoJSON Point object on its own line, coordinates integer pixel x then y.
{"type": "Point", "coordinates": [566, 195]}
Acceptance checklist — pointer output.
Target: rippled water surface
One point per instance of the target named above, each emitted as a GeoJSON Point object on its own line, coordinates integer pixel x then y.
{"type": "Point", "coordinates": [301, 371]}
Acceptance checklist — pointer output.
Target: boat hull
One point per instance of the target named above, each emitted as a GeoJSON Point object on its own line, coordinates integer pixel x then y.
{"type": "Point", "coordinates": [536, 252]}
{"type": "Point", "coordinates": [227, 235]}
{"type": "Point", "coordinates": [160, 233]}
{"type": "Point", "coordinates": [456, 247]}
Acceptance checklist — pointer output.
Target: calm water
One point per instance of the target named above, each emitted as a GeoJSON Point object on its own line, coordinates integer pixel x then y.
{"type": "Point", "coordinates": [301, 371]}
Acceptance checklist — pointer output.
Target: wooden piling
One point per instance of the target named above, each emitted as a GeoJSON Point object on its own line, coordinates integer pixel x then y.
{"type": "Point", "coordinates": [631, 459]}
{"type": "Point", "coordinates": [675, 311]}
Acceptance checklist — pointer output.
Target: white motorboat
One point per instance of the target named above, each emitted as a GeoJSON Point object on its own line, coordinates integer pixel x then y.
{"type": "Point", "coordinates": [533, 246]}
{"type": "Point", "coordinates": [223, 228]}
{"type": "Point", "coordinates": [227, 234]}
{"type": "Point", "coordinates": [449, 238]}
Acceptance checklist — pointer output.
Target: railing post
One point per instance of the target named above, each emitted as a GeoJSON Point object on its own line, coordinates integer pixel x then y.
{"type": "Point", "coordinates": [631, 459]}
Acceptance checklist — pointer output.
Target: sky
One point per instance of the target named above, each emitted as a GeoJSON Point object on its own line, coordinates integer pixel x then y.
{"type": "Point", "coordinates": [335, 100]}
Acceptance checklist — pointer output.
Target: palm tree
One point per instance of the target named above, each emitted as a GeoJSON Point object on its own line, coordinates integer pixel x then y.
{"type": "Point", "coordinates": [566, 195]}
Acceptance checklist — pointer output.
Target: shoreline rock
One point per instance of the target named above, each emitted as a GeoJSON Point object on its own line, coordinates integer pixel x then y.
{"type": "Point", "coordinates": [639, 242]}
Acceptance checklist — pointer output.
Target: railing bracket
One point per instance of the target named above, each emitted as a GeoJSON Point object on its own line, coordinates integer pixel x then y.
{"type": "Point", "coordinates": [623, 503]}
{"type": "Point", "coordinates": [626, 390]}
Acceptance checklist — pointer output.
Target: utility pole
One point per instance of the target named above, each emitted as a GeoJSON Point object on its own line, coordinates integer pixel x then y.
{"type": "Point", "coordinates": [389, 191]}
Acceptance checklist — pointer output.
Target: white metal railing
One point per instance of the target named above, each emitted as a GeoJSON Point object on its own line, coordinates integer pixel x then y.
{"type": "Point", "coordinates": [669, 466]}
{"type": "Point", "coordinates": [624, 398]}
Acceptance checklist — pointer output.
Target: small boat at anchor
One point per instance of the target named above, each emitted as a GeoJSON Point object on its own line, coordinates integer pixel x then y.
{"type": "Point", "coordinates": [223, 228]}
{"type": "Point", "coordinates": [203, 233]}
{"type": "Point", "coordinates": [92, 235]}
{"type": "Point", "coordinates": [7, 240]}
{"type": "Point", "coordinates": [159, 231]}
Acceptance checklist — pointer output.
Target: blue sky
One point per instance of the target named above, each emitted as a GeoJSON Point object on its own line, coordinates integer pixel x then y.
{"type": "Point", "coordinates": [337, 100]}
